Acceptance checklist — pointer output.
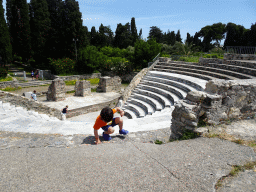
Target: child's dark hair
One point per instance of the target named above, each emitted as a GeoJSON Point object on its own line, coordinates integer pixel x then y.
{"type": "Point", "coordinates": [106, 114]}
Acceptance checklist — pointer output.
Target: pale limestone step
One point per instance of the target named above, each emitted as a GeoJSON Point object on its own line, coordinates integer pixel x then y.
{"type": "Point", "coordinates": [152, 102]}
{"type": "Point", "coordinates": [140, 113]}
{"type": "Point", "coordinates": [147, 107]}
{"type": "Point", "coordinates": [143, 105]}
{"type": "Point", "coordinates": [197, 83]}
{"type": "Point", "coordinates": [178, 92]}
{"type": "Point", "coordinates": [159, 101]}
{"type": "Point", "coordinates": [184, 87]}
{"type": "Point", "coordinates": [129, 113]}
{"type": "Point", "coordinates": [170, 96]}
{"type": "Point", "coordinates": [228, 73]}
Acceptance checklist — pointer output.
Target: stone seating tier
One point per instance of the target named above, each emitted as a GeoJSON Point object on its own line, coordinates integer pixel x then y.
{"type": "Point", "coordinates": [175, 90]}
{"type": "Point", "coordinates": [240, 69]}
{"type": "Point", "coordinates": [149, 97]}
{"type": "Point", "coordinates": [145, 106]}
{"type": "Point", "coordinates": [229, 72]}
{"type": "Point", "coordinates": [190, 72]}
{"type": "Point", "coordinates": [181, 86]}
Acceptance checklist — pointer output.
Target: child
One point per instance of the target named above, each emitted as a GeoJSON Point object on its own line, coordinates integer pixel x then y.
{"type": "Point", "coordinates": [64, 112]}
{"type": "Point", "coordinates": [104, 121]}
{"type": "Point", "coordinates": [33, 95]}
{"type": "Point", "coordinates": [32, 75]}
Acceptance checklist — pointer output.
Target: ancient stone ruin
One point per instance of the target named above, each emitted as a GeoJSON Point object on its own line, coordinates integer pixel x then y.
{"type": "Point", "coordinates": [83, 88]}
{"type": "Point", "coordinates": [109, 84]}
{"type": "Point", "coordinates": [56, 91]}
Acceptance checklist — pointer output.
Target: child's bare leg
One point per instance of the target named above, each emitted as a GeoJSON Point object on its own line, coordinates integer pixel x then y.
{"type": "Point", "coordinates": [110, 131]}
{"type": "Point", "coordinates": [119, 121]}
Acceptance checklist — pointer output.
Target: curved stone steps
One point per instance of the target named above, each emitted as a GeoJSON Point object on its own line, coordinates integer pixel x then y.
{"type": "Point", "coordinates": [196, 71]}
{"type": "Point", "coordinates": [175, 90]}
{"type": "Point", "coordinates": [211, 69]}
{"type": "Point", "coordinates": [197, 83]}
{"type": "Point", "coordinates": [181, 86]}
{"type": "Point", "coordinates": [244, 63]}
{"type": "Point", "coordinates": [160, 101]}
{"type": "Point", "coordinates": [144, 105]}
{"type": "Point", "coordinates": [241, 69]}
{"type": "Point", "coordinates": [155, 105]}
{"type": "Point", "coordinates": [130, 114]}
{"type": "Point", "coordinates": [200, 76]}
{"type": "Point", "coordinates": [136, 110]}
{"type": "Point", "coordinates": [172, 97]}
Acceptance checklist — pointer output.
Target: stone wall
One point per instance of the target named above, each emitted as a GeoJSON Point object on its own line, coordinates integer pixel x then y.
{"type": "Point", "coordinates": [30, 104]}
{"type": "Point", "coordinates": [136, 80]}
{"type": "Point", "coordinates": [220, 101]}
{"type": "Point", "coordinates": [109, 84]}
{"type": "Point", "coordinates": [8, 84]}
{"type": "Point", "coordinates": [83, 88]}
{"type": "Point", "coordinates": [56, 91]}
{"type": "Point", "coordinates": [231, 56]}
{"type": "Point", "coordinates": [204, 61]}
{"type": "Point", "coordinates": [92, 108]}
{"type": "Point", "coordinates": [78, 77]}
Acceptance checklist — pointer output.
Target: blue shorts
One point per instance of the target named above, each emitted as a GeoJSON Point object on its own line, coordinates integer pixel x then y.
{"type": "Point", "coordinates": [105, 128]}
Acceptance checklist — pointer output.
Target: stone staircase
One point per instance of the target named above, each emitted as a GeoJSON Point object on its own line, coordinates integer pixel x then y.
{"type": "Point", "coordinates": [170, 81]}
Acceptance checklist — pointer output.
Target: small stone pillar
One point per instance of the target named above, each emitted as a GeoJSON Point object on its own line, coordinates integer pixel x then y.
{"type": "Point", "coordinates": [83, 88]}
{"type": "Point", "coordinates": [109, 84]}
{"type": "Point", "coordinates": [56, 91]}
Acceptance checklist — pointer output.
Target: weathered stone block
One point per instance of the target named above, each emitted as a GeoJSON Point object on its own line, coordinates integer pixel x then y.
{"type": "Point", "coordinates": [56, 91]}
{"type": "Point", "coordinates": [109, 84]}
{"type": "Point", "coordinates": [83, 88]}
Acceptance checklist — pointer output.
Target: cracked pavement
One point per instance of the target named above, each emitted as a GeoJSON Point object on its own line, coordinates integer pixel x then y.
{"type": "Point", "coordinates": [190, 165]}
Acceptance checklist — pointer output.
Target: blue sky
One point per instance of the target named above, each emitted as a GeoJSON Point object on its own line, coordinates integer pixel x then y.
{"type": "Point", "coordinates": [184, 15]}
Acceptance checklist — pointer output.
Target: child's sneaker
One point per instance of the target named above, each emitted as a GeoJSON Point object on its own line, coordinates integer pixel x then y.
{"type": "Point", "coordinates": [123, 132]}
{"type": "Point", "coordinates": [106, 137]}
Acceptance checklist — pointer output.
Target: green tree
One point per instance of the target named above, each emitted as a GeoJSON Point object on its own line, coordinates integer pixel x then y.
{"type": "Point", "coordinates": [140, 34]}
{"type": "Point", "coordinates": [94, 36]}
{"type": "Point", "coordinates": [172, 38]}
{"type": "Point", "coordinates": [145, 52]}
{"type": "Point", "coordinates": [40, 28]}
{"type": "Point", "coordinates": [189, 39]}
{"type": "Point", "coordinates": [5, 45]}
{"type": "Point", "coordinates": [211, 33]}
{"type": "Point", "coordinates": [234, 35]}
{"type": "Point", "coordinates": [123, 37]}
{"type": "Point", "coordinates": [133, 31]}
{"type": "Point", "coordinates": [156, 33]}
{"type": "Point", "coordinates": [18, 21]}
{"type": "Point", "coordinates": [178, 37]}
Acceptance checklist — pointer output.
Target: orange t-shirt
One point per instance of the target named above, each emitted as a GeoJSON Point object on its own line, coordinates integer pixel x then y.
{"type": "Point", "coordinates": [99, 123]}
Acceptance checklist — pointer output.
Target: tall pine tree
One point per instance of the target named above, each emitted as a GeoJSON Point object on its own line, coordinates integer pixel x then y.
{"type": "Point", "coordinates": [40, 28]}
{"type": "Point", "coordinates": [133, 31]}
{"type": "Point", "coordinates": [5, 45]}
{"type": "Point", "coordinates": [178, 37]}
{"type": "Point", "coordinates": [18, 21]}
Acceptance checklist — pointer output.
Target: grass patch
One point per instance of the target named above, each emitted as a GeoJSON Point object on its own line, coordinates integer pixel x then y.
{"type": "Point", "coordinates": [6, 79]}
{"type": "Point", "coordinates": [94, 81]}
{"type": "Point", "coordinates": [73, 91]}
{"type": "Point", "coordinates": [235, 170]}
{"type": "Point", "coordinates": [71, 82]}
{"type": "Point", "coordinates": [11, 88]}
{"type": "Point", "coordinates": [187, 135]}
{"type": "Point", "coordinates": [158, 142]}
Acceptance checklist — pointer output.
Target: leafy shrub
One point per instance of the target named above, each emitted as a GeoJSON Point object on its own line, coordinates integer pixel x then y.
{"type": "Point", "coordinates": [3, 72]}
{"type": "Point", "coordinates": [118, 65]}
{"type": "Point", "coordinates": [6, 79]}
{"type": "Point", "coordinates": [62, 66]}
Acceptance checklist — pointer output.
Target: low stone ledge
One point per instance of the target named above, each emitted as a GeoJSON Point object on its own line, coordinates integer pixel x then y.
{"type": "Point", "coordinates": [29, 104]}
{"type": "Point", "coordinates": [92, 108]}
